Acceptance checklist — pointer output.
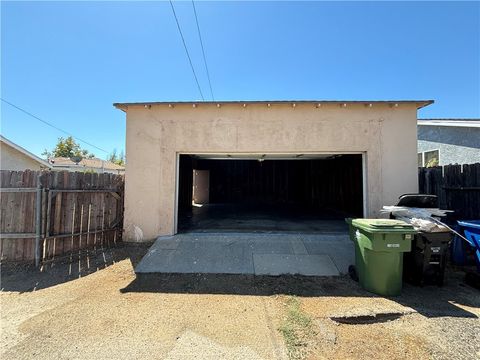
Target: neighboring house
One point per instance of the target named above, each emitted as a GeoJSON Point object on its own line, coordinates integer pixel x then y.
{"type": "Point", "coordinates": [448, 141]}
{"type": "Point", "coordinates": [356, 154]}
{"type": "Point", "coordinates": [93, 165]}
{"type": "Point", "coordinates": [15, 157]}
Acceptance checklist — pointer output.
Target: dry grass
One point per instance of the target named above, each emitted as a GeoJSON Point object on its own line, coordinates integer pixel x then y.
{"type": "Point", "coordinates": [297, 330]}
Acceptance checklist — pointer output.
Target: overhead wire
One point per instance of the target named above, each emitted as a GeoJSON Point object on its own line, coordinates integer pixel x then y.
{"type": "Point", "coordinates": [51, 125]}
{"type": "Point", "coordinates": [189, 60]}
{"type": "Point", "coordinates": [203, 50]}
{"type": "Point", "coordinates": [186, 50]}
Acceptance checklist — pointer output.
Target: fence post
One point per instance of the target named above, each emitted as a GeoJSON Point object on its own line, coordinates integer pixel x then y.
{"type": "Point", "coordinates": [38, 221]}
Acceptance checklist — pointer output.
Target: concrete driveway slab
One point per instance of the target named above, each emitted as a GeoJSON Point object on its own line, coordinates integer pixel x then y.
{"type": "Point", "coordinates": [234, 253]}
{"type": "Point", "coordinates": [278, 264]}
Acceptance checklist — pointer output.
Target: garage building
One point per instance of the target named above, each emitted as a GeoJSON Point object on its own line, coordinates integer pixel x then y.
{"type": "Point", "coordinates": [300, 166]}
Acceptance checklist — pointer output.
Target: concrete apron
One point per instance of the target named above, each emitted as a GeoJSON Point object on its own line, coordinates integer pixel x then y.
{"type": "Point", "coordinates": [249, 253]}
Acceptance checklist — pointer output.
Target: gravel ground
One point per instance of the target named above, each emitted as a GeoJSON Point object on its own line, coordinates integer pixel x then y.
{"type": "Point", "coordinates": [96, 309]}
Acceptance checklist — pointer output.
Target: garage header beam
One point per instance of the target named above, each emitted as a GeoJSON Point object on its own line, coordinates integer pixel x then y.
{"type": "Point", "coordinates": [262, 156]}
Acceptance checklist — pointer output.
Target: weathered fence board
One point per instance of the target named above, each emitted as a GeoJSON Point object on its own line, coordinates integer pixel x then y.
{"type": "Point", "coordinates": [457, 188]}
{"type": "Point", "coordinates": [18, 214]}
{"type": "Point", "coordinates": [78, 210]}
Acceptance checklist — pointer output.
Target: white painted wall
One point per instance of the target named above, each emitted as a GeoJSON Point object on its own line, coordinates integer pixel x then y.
{"type": "Point", "coordinates": [12, 159]}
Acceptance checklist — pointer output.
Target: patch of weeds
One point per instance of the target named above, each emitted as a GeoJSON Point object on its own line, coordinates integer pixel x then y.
{"type": "Point", "coordinates": [297, 330]}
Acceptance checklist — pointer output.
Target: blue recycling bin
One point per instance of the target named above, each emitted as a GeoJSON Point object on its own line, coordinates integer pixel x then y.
{"type": "Point", "coordinates": [458, 248]}
{"type": "Point", "coordinates": [471, 230]}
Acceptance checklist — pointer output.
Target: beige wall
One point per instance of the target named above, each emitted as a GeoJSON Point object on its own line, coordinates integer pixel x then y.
{"type": "Point", "coordinates": [12, 159]}
{"type": "Point", "coordinates": [384, 133]}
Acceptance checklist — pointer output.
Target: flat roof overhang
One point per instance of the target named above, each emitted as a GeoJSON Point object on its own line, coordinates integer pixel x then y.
{"type": "Point", "coordinates": [470, 123]}
{"type": "Point", "coordinates": [317, 103]}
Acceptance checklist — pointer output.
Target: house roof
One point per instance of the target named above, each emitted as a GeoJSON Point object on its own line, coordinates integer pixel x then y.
{"type": "Point", "coordinates": [418, 103]}
{"type": "Point", "coordinates": [93, 163]}
{"type": "Point", "coordinates": [25, 152]}
{"type": "Point", "coordinates": [471, 123]}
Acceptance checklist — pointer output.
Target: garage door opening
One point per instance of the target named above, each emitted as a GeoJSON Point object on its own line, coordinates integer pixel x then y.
{"type": "Point", "coordinates": [254, 193]}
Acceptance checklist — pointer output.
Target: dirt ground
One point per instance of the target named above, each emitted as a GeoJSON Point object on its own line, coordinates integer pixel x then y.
{"type": "Point", "coordinates": [92, 307]}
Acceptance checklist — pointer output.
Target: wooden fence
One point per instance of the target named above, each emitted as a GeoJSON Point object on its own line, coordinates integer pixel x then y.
{"type": "Point", "coordinates": [457, 188]}
{"type": "Point", "coordinates": [49, 214]}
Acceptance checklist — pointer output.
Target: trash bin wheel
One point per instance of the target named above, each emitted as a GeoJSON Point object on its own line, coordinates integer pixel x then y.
{"type": "Point", "coordinates": [353, 273]}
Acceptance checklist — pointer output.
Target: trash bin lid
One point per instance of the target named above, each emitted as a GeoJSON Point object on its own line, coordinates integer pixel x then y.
{"type": "Point", "coordinates": [383, 225]}
{"type": "Point", "coordinates": [418, 201]}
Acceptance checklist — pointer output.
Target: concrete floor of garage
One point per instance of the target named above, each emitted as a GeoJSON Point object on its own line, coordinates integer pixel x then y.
{"type": "Point", "coordinates": [260, 218]}
{"type": "Point", "coordinates": [250, 253]}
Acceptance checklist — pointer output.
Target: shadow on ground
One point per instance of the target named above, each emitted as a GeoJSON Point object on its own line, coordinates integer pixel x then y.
{"type": "Point", "coordinates": [430, 301]}
{"type": "Point", "coordinates": [23, 277]}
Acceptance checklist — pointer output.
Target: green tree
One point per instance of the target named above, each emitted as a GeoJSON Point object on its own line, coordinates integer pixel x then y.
{"type": "Point", "coordinates": [117, 159]}
{"type": "Point", "coordinates": [432, 163]}
{"type": "Point", "coordinates": [67, 147]}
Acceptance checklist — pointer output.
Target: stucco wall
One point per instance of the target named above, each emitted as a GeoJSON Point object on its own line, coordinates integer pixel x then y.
{"type": "Point", "coordinates": [387, 135]}
{"type": "Point", "coordinates": [456, 145]}
{"type": "Point", "coordinates": [12, 159]}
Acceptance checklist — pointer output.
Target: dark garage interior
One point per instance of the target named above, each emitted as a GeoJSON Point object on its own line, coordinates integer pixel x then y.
{"type": "Point", "coordinates": [268, 193]}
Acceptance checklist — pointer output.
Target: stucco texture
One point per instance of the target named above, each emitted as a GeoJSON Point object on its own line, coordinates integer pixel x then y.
{"type": "Point", "coordinates": [456, 145]}
{"type": "Point", "coordinates": [156, 134]}
{"type": "Point", "coordinates": [12, 159]}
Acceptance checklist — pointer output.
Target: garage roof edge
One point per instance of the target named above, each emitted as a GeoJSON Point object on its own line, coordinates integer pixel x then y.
{"type": "Point", "coordinates": [419, 103]}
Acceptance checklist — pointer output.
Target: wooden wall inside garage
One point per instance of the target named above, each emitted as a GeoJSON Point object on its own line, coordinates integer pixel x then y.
{"type": "Point", "coordinates": [185, 186]}
{"type": "Point", "coordinates": [328, 184]}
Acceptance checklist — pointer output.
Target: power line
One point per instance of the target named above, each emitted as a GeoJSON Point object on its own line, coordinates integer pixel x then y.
{"type": "Point", "coordinates": [203, 50]}
{"type": "Point", "coordinates": [51, 125]}
{"type": "Point", "coordinates": [186, 50]}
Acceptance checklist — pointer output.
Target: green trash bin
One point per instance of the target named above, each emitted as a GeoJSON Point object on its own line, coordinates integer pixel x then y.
{"type": "Point", "coordinates": [379, 248]}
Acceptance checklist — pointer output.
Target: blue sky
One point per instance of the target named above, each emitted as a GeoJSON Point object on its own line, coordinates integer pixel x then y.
{"type": "Point", "coordinates": [67, 62]}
